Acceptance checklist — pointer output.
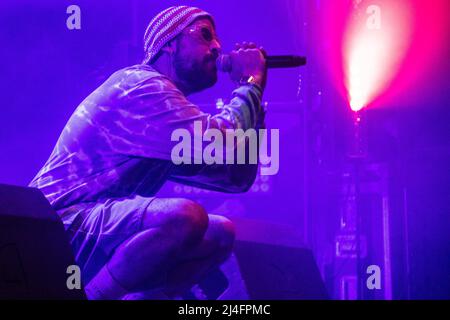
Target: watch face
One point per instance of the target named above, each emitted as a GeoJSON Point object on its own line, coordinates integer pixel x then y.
{"type": "Point", "coordinates": [247, 80]}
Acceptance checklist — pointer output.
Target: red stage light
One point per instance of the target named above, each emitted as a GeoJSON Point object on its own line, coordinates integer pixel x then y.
{"type": "Point", "coordinates": [373, 61]}
{"type": "Point", "coordinates": [377, 39]}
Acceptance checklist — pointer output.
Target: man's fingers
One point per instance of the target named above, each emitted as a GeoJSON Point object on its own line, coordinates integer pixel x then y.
{"type": "Point", "coordinates": [247, 45]}
{"type": "Point", "coordinates": [263, 51]}
{"type": "Point", "coordinates": [240, 47]}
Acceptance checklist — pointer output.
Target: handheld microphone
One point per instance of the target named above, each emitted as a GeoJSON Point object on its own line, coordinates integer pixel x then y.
{"type": "Point", "coordinates": [273, 62]}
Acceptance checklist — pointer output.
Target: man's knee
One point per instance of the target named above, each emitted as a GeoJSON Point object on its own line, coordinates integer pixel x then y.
{"type": "Point", "coordinates": [189, 221]}
{"type": "Point", "coordinates": [184, 220]}
{"type": "Point", "coordinates": [222, 232]}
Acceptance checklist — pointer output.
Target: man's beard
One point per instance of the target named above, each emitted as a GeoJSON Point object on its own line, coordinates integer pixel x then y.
{"type": "Point", "coordinates": [197, 75]}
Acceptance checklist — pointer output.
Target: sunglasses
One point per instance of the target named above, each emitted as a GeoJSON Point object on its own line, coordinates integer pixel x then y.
{"type": "Point", "coordinates": [203, 33]}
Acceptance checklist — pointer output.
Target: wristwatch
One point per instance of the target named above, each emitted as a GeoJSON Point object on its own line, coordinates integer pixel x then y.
{"type": "Point", "coordinates": [246, 80]}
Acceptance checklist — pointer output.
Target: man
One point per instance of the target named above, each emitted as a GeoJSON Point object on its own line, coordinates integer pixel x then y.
{"type": "Point", "coordinates": [115, 153]}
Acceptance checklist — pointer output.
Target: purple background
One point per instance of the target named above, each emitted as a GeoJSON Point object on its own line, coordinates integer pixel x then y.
{"type": "Point", "coordinates": [47, 70]}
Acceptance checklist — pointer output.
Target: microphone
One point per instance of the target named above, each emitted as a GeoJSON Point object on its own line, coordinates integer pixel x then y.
{"type": "Point", "coordinates": [272, 62]}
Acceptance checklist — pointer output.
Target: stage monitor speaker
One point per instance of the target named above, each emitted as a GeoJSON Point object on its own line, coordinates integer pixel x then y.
{"type": "Point", "coordinates": [34, 248]}
{"type": "Point", "coordinates": [260, 271]}
{"type": "Point", "coordinates": [274, 272]}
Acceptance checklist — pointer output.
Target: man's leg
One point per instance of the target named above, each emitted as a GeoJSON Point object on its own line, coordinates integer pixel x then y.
{"type": "Point", "coordinates": [193, 264]}
{"type": "Point", "coordinates": [172, 240]}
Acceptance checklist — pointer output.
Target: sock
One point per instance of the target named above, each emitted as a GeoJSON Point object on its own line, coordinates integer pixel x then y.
{"type": "Point", "coordinates": [146, 295]}
{"type": "Point", "coordinates": [104, 287]}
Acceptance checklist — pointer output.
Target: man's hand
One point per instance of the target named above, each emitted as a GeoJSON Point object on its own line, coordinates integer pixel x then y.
{"type": "Point", "coordinates": [247, 60]}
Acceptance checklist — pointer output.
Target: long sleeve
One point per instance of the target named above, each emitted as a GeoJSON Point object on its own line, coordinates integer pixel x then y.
{"type": "Point", "coordinates": [231, 178]}
{"type": "Point", "coordinates": [118, 141]}
{"type": "Point", "coordinates": [153, 108]}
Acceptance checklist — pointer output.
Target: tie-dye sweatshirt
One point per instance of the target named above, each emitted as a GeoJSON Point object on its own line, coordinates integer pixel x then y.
{"type": "Point", "coordinates": [118, 142]}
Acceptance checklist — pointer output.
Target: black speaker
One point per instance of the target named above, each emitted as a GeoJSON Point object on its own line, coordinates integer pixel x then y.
{"type": "Point", "coordinates": [273, 272]}
{"type": "Point", "coordinates": [268, 263]}
{"type": "Point", "coordinates": [34, 248]}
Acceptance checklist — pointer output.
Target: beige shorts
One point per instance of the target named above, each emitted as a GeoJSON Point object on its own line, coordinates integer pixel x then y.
{"type": "Point", "coordinates": [97, 229]}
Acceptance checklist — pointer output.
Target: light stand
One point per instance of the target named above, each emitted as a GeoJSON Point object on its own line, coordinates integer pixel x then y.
{"type": "Point", "coordinates": [357, 155]}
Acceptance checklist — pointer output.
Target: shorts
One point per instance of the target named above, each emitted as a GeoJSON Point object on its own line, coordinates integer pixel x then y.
{"type": "Point", "coordinates": [97, 229]}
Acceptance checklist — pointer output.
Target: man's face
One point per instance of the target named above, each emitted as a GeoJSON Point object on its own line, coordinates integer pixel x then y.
{"type": "Point", "coordinates": [195, 58]}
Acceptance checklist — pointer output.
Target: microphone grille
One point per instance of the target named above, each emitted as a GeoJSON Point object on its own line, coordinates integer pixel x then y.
{"type": "Point", "coordinates": [224, 63]}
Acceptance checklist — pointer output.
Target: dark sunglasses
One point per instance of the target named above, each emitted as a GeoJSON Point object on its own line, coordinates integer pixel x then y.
{"type": "Point", "coordinates": [203, 32]}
